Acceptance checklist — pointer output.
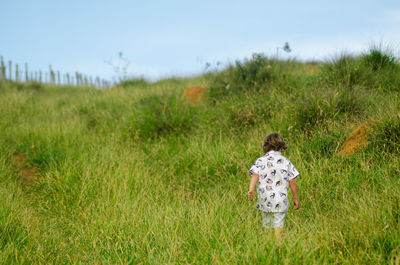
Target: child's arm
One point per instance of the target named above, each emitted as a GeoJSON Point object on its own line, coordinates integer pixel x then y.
{"type": "Point", "coordinates": [252, 186]}
{"type": "Point", "coordinates": [293, 188]}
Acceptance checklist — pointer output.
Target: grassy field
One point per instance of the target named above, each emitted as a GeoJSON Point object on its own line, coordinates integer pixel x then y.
{"type": "Point", "coordinates": [137, 176]}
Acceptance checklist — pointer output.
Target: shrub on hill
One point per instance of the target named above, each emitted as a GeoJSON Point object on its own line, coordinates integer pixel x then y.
{"type": "Point", "coordinates": [135, 82]}
{"type": "Point", "coordinates": [241, 113]}
{"type": "Point", "coordinates": [377, 59]}
{"type": "Point", "coordinates": [344, 70]}
{"type": "Point", "coordinates": [382, 69]}
{"type": "Point", "coordinates": [155, 116]}
{"type": "Point", "coordinates": [385, 135]}
{"type": "Point", "coordinates": [252, 73]}
{"type": "Point", "coordinates": [255, 74]}
{"type": "Point", "coordinates": [319, 105]}
{"type": "Point", "coordinates": [376, 69]}
{"type": "Point", "coordinates": [244, 115]}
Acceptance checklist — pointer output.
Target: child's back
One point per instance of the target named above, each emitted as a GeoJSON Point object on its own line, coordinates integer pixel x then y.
{"type": "Point", "coordinates": [273, 173]}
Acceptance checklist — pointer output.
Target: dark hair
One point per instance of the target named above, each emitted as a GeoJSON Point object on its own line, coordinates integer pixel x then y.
{"type": "Point", "coordinates": [274, 142]}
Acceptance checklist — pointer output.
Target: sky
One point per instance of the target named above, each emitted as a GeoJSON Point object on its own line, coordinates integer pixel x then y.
{"type": "Point", "coordinates": [161, 39]}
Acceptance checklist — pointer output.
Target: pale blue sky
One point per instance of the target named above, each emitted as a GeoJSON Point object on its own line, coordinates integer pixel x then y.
{"type": "Point", "coordinates": [164, 38]}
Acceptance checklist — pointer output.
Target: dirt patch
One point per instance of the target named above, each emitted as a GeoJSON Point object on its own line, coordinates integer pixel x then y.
{"type": "Point", "coordinates": [194, 95]}
{"type": "Point", "coordinates": [311, 69]}
{"type": "Point", "coordinates": [115, 89]}
{"type": "Point", "coordinates": [28, 174]}
{"type": "Point", "coordinates": [18, 160]}
{"type": "Point", "coordinates": [356, 140]}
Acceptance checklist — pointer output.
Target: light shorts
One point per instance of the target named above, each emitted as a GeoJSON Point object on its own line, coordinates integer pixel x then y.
{"type": "Point", "coordinates": [273, 220]}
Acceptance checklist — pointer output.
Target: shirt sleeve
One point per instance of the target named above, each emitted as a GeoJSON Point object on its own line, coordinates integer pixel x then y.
{"type": "Point", "coordinates": [292, 171]}
{"type": "Point", "coordinates": [255, 168]}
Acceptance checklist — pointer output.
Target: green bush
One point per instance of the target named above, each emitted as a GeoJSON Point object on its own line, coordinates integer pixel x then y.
{"type": "Point", "coordinates": [344, 70]}
{"type": "Point", "coordinates": [135, 82]}
{"type": "Point", "coordinates": [156, 116]}
{"type": "Point", "coordinates": [378, 59]}
{"type": "Point", "coordinates": [385, 135]}
{"type": "Point", "coordinates": [254, 73]}
{"type": "Point", "coordinates": [313, 111]}
{"type": "Point", "coordinates": [246, 113]}
{"type": "Point", "coordinates": [351, 101]}
{"type": "Point", "coordinates": [376, 70]}
{"type": "Point", "coordinates": [383, 72]}
{"type": "Point", "coordinates": [318, 107]}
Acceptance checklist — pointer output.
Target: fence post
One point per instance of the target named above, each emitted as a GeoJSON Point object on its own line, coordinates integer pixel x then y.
{"type": "Point", "coordinates": [16, 73]}
{"type": "Point", "coordinates": [77, 78]}
{"type": "Point", "coordinates": [9, 70]}
{"type": "Point", "coordinates": [26, 73]}
{"type": "Point", "coordinates": [22, 74]}
{"type": "Point", "coordinates": [86, 80]}
{"type": "Point", "coordinates": [59, 77]}
{"type": "Point", "coordinates": [52, 75]}
{"type": "Point", "coordinates": [3, 69]}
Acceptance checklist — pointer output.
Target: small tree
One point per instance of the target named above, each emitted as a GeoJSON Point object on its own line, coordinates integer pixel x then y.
{"type": "Point", "coordinates": [120, 67]}
{"type": "Point", "coordinates": [286, 48]}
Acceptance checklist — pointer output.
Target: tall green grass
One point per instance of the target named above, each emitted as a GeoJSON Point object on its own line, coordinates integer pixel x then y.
{"type": "Point", "coordinates": [138, 177]}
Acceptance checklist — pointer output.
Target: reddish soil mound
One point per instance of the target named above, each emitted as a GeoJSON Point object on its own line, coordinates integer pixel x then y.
{"type": "Point", "coordinates": [194, 95]}
{"type": "Point", "coordinates": [27, 174]}
{"type": "Point", "coordinates": [356, 140]}
{"type": "Point", "coordinates": [311, 68]}
{"type": "Point", "coordinates": [115, 89]}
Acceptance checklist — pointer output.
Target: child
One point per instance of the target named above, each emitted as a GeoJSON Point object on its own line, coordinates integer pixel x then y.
{"type": "Point", "coordinates": [274, 174]}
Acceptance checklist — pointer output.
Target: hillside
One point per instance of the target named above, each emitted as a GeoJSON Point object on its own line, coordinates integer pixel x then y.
{"type": "Point", "coordinates": [136, 175]}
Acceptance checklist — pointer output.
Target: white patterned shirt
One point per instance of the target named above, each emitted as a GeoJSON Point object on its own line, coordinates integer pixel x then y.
{"type": "Point", "coordinates": [274, 172]}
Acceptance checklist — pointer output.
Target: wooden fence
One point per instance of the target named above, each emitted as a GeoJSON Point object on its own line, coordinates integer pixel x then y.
{"type": "Point", "coordinates": [13, 72]}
